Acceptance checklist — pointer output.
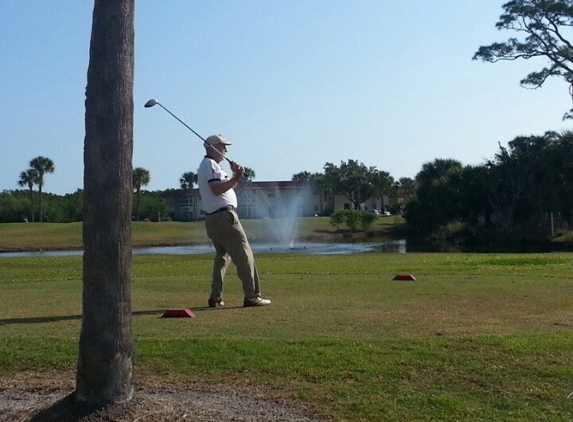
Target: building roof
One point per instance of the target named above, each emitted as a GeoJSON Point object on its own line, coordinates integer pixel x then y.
{"type": "Point", "coordinates": [281, 185]}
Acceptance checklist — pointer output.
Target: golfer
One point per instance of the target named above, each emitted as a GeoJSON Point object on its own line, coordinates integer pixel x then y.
{"type": "Point", "coordinates": [223, 225]}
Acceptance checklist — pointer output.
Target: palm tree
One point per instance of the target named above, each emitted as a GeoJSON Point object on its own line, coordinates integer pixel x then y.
{"type": "Point", "coordinates": [406, 186]}
{"type": "Point", "coordinates": [29, 178]}
{"type": "Point", "coordinates": [383, 183]}
{"type": "Point", "coordinates": [140, 178]}
{"type": "Point", "coordinates": [42, 165]}
{"type": "Point", "coordinates": [249, 175]}
{"type": "Point", "coordinates": [432, 171]}
{"type": "Point", "coordinates": [303, 176]}
{"type": "Point", "coordinates": [105, 357]}
{"type": "Point", "coordinates": [188, 180]}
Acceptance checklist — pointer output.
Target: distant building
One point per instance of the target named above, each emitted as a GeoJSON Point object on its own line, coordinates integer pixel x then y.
{"type": "Point", "coordinates": [269, 200]}
{"type": "Point", "coordinates": [183, 204]}
{"type": "Point", "coordinates": [256, 200]}
{"type": "Point", "coordinates": [379, 203]}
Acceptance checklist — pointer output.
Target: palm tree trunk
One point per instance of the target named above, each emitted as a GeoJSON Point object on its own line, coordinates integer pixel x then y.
{"type": "Point", "coordinates": [105, 361]}
{"type": "Point", "coordinates": [32, 203]}
{"type": "Point", "coordinates": [137, 198]}
{"type": "Point", "coordinates": [40, 202]}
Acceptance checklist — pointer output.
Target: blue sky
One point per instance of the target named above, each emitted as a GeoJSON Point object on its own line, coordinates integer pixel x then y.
{"type": "Point", "coordinates": [293, 84]}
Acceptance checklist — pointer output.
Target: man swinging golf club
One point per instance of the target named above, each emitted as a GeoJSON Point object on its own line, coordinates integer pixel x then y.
{"type": "Point", "coordinates": [223, 225]}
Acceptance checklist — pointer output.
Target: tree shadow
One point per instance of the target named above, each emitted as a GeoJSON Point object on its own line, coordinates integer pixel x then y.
{"type": "Point", "coordinates": [43, 320]}
{"type": "Point", "coordinates": [59, 318]}
{"type": "Point", "coordinates": [39, 320]}
{"type": "Point", "coordinates": [67, 409]}
{"type": "Point", "coordinates": [70, 409]}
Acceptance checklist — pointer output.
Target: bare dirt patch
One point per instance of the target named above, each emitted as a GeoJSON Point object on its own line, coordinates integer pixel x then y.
{"type": "Point", "coordinates": [50, 399]}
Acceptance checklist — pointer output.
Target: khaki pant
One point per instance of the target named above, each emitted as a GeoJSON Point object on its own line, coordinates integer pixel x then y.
{"type": "Point", "coordinates": [231, 244]}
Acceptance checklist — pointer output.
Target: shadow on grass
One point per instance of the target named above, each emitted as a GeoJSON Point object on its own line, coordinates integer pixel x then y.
{"type": "Point", "coordinates": [220, 308]}
{"type": "Point", "coordinates": [45, 320]}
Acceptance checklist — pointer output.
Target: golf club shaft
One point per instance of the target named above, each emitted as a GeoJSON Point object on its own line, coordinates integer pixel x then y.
{"type": "Point", "coordinates": [188, 127]}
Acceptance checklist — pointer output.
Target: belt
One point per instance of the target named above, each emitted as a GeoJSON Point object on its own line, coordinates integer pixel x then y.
{"type": "Point", "coordinates": [222, 209]}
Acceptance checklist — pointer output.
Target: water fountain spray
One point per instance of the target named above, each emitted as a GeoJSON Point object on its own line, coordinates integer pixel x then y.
{"type": "Point", "coordinates": [285, 218]}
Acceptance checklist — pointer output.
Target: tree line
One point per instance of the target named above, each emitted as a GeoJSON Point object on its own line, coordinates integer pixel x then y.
{"type": "Point", "coordinates": [526, 188]}
{"type": "Point", "coordinates": [524, 192]}
{"type": "Point", "coordinates": [32, 206]}
{"type": "Point", "coordinates": [35, 205]}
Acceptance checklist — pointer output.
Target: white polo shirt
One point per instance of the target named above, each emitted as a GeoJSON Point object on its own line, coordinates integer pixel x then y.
{"type": "Point", "coordinates": [209, 170]}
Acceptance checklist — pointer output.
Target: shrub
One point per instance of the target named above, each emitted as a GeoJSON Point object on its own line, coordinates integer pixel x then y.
{"type": "Point", "coordinates": [366, 220]}
{"type": "Point", "coordinates": [353, 219]}
{"type": "Point", "coordinates": [337, 219]}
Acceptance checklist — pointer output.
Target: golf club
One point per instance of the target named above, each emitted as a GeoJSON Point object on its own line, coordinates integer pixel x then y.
{"type": "Point", "coordinates": [152, 103]}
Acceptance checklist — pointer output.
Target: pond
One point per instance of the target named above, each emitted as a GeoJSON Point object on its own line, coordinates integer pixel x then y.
{"type": "Point", "coordinates": [398, 246]}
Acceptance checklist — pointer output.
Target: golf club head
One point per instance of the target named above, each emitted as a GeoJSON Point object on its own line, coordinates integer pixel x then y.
{"type": "Point", "coordinates": [151, 103]}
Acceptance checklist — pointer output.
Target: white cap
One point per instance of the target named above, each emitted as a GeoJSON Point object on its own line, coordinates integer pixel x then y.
{"type": "Point", "coordinates": [217, 139]}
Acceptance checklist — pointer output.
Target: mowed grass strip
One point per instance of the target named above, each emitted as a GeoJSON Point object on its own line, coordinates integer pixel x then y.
{"type": "Point", "coordinates": [57, 236]}
{"type": "Point", "coordinates": [475, 337]}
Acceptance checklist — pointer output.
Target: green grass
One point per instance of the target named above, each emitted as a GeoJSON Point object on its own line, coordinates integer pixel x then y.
{"type": "Point", "coordinates": [37, 236]}
{"type": "Point", "coordinates": [474, 338]}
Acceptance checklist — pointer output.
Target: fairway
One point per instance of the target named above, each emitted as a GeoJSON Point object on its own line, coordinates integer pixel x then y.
{"type": "Point", "coordinates": [474, 338]}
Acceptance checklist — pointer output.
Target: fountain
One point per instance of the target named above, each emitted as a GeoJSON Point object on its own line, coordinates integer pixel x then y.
{"type": "Point", "coordinates": [282, 215]}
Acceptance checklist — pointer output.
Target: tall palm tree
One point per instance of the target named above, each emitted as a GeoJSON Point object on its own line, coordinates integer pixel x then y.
{"type": "Point", "coordinates": [435, 169]}
{"type": "Point", "coordinates": [42, 165]}
{"type": "Point", "coordinates": [249, 175]}
{"type": "Point", "coordinates": [406, 186]}
{"type": "Point", "coordinates": [188, 180]}
{"type": "Point", "coordinates": [29, 178]}
{"type": "Point", "coordinates": [140, 178]}
{"type": "Point", "coordinates": [105, 357]}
